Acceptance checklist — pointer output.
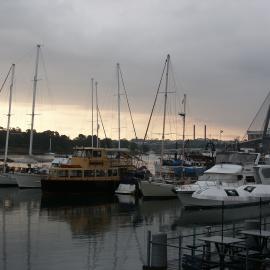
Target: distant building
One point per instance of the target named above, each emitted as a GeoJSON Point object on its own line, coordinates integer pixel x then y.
{"type": "Point", "coordinates": [253, 135]}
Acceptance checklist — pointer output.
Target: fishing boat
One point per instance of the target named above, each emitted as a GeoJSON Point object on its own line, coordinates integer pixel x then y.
{"type": "Point", "coordinates": [93, 170]}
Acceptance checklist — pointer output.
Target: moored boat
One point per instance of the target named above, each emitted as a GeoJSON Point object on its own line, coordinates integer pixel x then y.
{"type": "Point", "coordinates": [93, 170]}
{"type": "Point", "coordinates": [232, 169]}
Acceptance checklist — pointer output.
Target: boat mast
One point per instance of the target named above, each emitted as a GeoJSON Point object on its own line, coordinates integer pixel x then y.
{"type": "Point", "coordinates": [183, 114]}
{"type": "Point", "coordinates": [92, 93]}
{"type": "Point", "coordinates": [9, 114]}
{"type": "Point", "coordinates": [118, 95]}
{"type": "Point", "coordinates": [164, 112]}
{"type": "Point", "coordinates": [34, 102]}
{"type": "Point", "coordinates": [97, 111]}
{"type": "Point", "coordinates": [50, 145]}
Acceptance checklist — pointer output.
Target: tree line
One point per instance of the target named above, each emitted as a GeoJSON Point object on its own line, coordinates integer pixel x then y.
{"type": "Point", "coordinates": [62, 144]}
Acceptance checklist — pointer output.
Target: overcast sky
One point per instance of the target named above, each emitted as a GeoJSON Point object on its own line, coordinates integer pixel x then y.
{"type": "Point", "coordinates": [219, 51]}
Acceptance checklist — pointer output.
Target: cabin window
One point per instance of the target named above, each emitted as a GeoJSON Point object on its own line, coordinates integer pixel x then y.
{"type": "Point", "coordinates": [89, 173]}
{"type": "Point", "coordinates": [114, 172]}
{"type": "Point", "coordinates": [75, 173]}
{"type": "Point", "coordinates": [62, 173]}
{"type": "Point", "coordinates": [96, 153]}
{"type": "Point", "coordinates": [53, 173]}
{"type": "Point", "coordinates": [250, 179]}
{"type": "Point", "coordinates": [266, 172]}
{"type": "Point", "coordinates": [240, 177]}
{"type": "Point", "coordinates": [100, 173]}
{"type": "Point", "coordinates": [78, 153]}
{"type": "Point", "coordinates": [88, 153]}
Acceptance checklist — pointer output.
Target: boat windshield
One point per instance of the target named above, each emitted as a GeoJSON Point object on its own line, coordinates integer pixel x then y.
{"type": "Point", "coordinates": [236, 158]}
{"type": "Point", "coordinates": [219, 177]}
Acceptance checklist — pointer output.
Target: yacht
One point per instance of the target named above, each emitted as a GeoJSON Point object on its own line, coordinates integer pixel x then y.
{"type": "Point", "coordinates": [232, 169]}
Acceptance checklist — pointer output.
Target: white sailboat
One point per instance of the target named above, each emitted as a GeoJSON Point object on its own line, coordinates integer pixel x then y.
{"type": "Point", "coordinates": [7, 179]}
{"type": "Point", "coordinates": [157, 186]}
{"type": "Point", "coordinates": [32, 179]}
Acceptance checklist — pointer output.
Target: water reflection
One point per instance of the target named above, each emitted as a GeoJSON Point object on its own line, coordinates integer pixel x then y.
{"type": "Point", "coordinates": [213, 216]}
{"type": "Point", "coordinates": [83, 232]}
{"type": "Point", "coordinates": [56, 232]}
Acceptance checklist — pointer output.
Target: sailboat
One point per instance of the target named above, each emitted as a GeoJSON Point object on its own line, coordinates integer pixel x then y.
{"type": "Point", "coordinates": [160, 186]}
{"type": "Point", "coordinates": [32, 178]}
{"type": "Point", "coordinates": [7, 179]}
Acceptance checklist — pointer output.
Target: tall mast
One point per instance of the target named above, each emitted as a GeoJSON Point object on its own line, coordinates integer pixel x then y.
{"type": "Point", "coordinates": [118, 96]}
{"type": "Point", "coordinates": [34, 102]}
{"type": "Point", "coordinates": [92, 93]}
{"type": "Point", "coordinates": [184, 124]}
{"type": "Point", "coordinates": [165, 110]}
{"type": "Point", "coordinates": [9, 114]}
{"type": "Point", "coordinates": [183, 114]}
{"type": "Point", "coordinates": [97, 111]}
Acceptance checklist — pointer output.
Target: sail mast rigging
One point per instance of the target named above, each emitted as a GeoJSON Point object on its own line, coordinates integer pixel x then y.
{"type": "Point", "coordinates": [9, 114]}
{"type": "Point", "coordinates": [34, 102]}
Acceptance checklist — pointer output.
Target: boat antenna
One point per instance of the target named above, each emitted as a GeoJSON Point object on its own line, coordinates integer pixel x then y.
{"type": "Point", "coordinates": [124, 87]}
{"type": "Point", "coordinates": [34, 101]}
{"type": "Point", "coordinates": [9, 114]}
{"type": "Point", "coordinates": [96, 84]}
{"type": "Point", "coordinates": [92, 107]}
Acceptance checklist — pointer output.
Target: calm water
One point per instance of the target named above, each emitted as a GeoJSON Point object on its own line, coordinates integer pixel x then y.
{"type": "Point", "coordinates": [40, 232]}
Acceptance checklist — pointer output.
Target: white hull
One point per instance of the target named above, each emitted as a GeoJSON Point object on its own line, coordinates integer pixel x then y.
{"type": "Point", "coordinates": [25, 180]}
{"type": "Point", "coordinates": [126, 189]}
{"type": "Point", "coordinates": [157, 190]}
{"type": "Point", "coordinates": [7, 180]}
{"type": "Point", "coordinates": [188, 201]}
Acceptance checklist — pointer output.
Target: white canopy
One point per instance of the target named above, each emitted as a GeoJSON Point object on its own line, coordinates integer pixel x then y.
{"type": "Point", "coordinates": [258, 191]}
{"type": "Point", "coordinates": [219, 193]}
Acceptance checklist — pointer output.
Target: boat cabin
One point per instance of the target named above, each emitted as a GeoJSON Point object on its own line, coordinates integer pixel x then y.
{"type": "Point", "coordinates": [89, 163]}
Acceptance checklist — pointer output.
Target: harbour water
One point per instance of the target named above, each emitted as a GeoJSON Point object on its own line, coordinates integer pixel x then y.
{"type": "Point", "coordinates": [56, 232]}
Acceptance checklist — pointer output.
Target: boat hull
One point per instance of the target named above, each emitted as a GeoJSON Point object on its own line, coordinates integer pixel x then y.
{"type": "Point", "coordinates": [80, 186]}
{"type": "Point", "coordinates": [25, 180]}
{"type": "Point", "coordinates": [126, 189]}
{"type": "Point", "coordinates": [7, 180]}
{"type": "Point", "coordinates": [187, 201]}
{"type": "Point", "coordinates": [156, 190]}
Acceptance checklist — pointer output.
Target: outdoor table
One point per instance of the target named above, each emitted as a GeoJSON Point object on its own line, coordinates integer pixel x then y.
{"type": "Point", "coordinates": [222, 245]}
{"type": "Point", "coordinates": [261, 236]}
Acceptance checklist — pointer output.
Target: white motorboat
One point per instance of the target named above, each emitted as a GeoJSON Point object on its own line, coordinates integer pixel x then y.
{"type": "Point", "coordinates": [232, 169]}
